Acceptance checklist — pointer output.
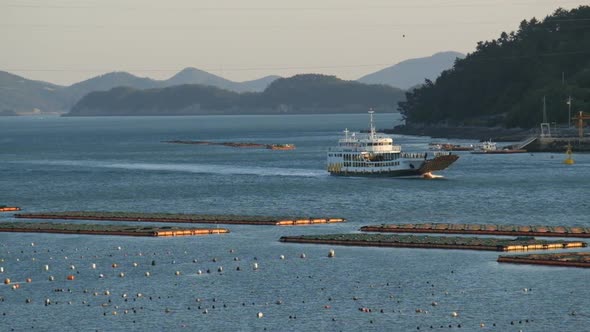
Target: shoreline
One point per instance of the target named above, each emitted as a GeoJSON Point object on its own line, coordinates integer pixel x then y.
{"type": "Point", "coordinates": [496, 134]}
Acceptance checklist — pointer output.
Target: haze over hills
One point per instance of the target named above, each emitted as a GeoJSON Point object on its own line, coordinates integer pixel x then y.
{"type": "Point", "coordinates": [18, 94]}
{"type": "Point", "coordinates": [23, 95]}
{"type": "Point", "coordinates": [308, 93]}
{"type": "Point", "coordinates": [197, 76]}
{"type": "Point", "coordinates": [412, 72]}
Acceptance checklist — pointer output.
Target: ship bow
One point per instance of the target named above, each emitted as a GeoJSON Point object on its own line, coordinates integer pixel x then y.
{"type": "Point", "coordinates": [438, 163]}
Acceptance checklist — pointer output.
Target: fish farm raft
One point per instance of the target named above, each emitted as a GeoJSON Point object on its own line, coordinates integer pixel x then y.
{"type": "Point", "coordinates": [434, 242]}
{"type": "Point", "coordinates": [4, 208]}
{"type": "Point", "coordinates": [574, 259]}
{"type": "Point", "coordinates": [483, 229]}
{"type": "Point", "coordinates": [94, 229]}
{"type": "Point", "coordinates": [179, 218]}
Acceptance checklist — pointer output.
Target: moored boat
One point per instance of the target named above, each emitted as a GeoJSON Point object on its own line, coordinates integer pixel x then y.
{"type": "Point", "coordinates": [489, 147]}
{"type": "Point", "coordinates": [373, 154]}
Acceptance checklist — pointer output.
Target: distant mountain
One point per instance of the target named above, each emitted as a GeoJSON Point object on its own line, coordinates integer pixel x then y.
{"type": "Point", "coordinates": [197, 76]}
{"type": "Point", "coordinates": [412, 72]}
{"type": "Point", "coordinates": [106, 82]}
{"type": "Point", "coordinates": [24, 96]}
{"type": "Point", "coordinates": [310, 93]}
{"type": "Point", "coordinates": [18, 94]}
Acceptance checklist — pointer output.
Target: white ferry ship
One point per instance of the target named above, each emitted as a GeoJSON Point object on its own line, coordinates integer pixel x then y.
{"type": "Point", "coordinates": [375, 154]}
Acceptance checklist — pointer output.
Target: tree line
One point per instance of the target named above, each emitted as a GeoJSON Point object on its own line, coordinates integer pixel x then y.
{"type": "Point", "coordinates": [503, 82]}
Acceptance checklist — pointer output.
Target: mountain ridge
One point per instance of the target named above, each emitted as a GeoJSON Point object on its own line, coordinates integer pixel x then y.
{"type": "Point", "coordinates": [304, 93]}
{"type": "Point", "coordinates": [22, 95]}
{"type": "Point", "coordinates": [411, 72]}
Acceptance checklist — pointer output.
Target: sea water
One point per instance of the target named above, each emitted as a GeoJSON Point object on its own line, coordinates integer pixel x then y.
{"type": "Point", "coordinates": [122, 164]}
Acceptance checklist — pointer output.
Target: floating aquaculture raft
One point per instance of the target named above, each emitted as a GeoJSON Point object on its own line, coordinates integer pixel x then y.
{"type": "Point", "coordinates": [574, 259]}
{"type": "Point", "coordinates": [434, 242]}
{"type": "Point", "coordinates": [178, 218]}
{"type": "Point", "coordinates": [488, 229]}
{"type": "Point", "coordinates": [4, 208]}
{"type": "Point", "coordinates": [94, 229]}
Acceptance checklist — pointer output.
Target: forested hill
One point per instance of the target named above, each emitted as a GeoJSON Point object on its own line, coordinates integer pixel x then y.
{"type": "Point", "coordinates": [310, 93]}
{"type": "Point", "coordinates": [503, 82]}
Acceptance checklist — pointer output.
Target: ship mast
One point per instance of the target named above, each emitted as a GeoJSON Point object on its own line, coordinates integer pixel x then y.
{"type": "Point", "coordinates": [371, 125]}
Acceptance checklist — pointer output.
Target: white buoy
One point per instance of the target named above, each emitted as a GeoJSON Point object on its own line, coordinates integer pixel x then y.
{"type": "Point", "coordinates": [220, 269]}
{"type": "Point", "coordinates": [119, 248]}
{"type": "Point", "coordinates": [93, 266]}
{"type": "Point", "coordinates": [302, 255]}
{"type": "Point", "coordinates": [331, 253]}
{"type": "Point", "coordinates": [107, 293]}
{"type": "Point", "coordinates": [282, 256]}
{"type": "Point", "coordinates": [177, 273]}
{"type": "Point", "coordinates": [51, 278]}
{"type": "Point", "coordinates": [199, 272]}
{"type": "Point", "coordinates": [1, 269]}
{"type": "Point", "coordinates": [135, 264]}
{"type": "Point", "coordinates": [101, 276]}
{"type": "Point", "coordinates": [121, 274]}
{"type": "Point", "coordinates": [147, 274]}
{"type": "Point", "coordinates": [255, 266]}
{"type": "Point", "coordinates": [32, 244]}
{"type": "Point", "coordinates": [454, 314]}
{"type": "Point", "coordinates": [260, 315]}
{"type": "Point", "coordinates": [46, 267]}
{"type": "Point", "coordinates": [72, 267]}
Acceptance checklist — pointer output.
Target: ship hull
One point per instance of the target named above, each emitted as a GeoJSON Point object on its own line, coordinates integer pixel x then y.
{"type": "Point", "coordinates": [438, 163]}
{"type": "Point", "coordinates": [385, 174]}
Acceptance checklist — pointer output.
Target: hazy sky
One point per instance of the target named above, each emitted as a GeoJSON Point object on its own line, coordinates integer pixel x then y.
{"type": "Point", "coordinates": [65, 41]}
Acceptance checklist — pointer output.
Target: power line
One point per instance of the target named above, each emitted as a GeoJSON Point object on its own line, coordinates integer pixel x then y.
{"type": "Point", "coordinates": [256, 68]}
{"type": "Point", "coordinates": [437, 4]}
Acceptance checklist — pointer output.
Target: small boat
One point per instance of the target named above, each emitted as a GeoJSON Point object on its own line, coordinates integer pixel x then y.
{"type": "Point", "coordinates": [372, 154]}
{"type": "Point", "coordinates": [489, 147]}
{"type": "Point", "coordinates": [456, 147]}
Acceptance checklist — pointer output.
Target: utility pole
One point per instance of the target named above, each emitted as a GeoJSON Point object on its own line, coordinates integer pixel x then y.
{"type": "Point", "coordinates": [569, 112]}
{"type": "Point", "coordinates": [545, 126]}
{"type": "Point", "coordinates": [544, 110]}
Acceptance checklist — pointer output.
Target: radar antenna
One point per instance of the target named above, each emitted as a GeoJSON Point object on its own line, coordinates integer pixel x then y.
{"type": "Point", "coordinates": [371, 125]}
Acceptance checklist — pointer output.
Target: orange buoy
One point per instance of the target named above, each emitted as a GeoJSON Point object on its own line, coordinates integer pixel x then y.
{"type": "Point", "coordinates": [71, 277]}
{"type": "Point", "coordinates": [15, 286]}
{"type": "Point", "coordinates": [7, 281]}
{"type": "Point", "coordinates": [28, 280]}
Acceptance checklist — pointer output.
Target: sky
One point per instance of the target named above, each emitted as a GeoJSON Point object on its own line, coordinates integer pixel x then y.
{"type": "Point", "coordinates": [66, 41]}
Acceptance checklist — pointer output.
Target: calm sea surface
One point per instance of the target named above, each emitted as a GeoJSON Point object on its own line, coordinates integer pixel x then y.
{"type": "Point", "coordinates": [121, 164]}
